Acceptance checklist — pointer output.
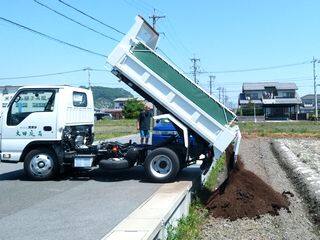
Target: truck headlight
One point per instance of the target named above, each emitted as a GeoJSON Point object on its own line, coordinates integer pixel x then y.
{"type": "Point", "coordinates": [79, 140]}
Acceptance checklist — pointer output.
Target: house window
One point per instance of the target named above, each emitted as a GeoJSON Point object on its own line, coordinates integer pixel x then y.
{"type": "Point", "coordinates": [309, 102]}
{"type": "Point", "coordinates": [288, 94]}
{"type": "Point", "coordinates": [253, 96]}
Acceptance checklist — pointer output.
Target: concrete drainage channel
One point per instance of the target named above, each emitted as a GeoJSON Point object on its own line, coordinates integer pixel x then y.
{"type": "Point", "coordinates": [153, 217]}
{"type": "Point", "coordinates": [301, 173]}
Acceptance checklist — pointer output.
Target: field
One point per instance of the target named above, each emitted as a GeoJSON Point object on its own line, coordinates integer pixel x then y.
{"type": "Point", "coordinates": [115, 128]}
{"type": "Point", "coordinates": [281, 129]}
{"type": "Point", "coordinates": [107, 128]}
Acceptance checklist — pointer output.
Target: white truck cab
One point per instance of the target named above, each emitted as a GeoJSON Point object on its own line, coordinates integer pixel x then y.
{"type": "Point", "coordinates": [34, 123]}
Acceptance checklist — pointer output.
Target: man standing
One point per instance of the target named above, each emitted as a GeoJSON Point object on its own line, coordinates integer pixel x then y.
{"type": "Point", "coordinates": [143, 124]}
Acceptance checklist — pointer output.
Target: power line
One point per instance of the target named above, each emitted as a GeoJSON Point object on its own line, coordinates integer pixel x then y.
{"type": "Point", "coordinates": [52, 38]}
{"type": "Point", "coordinates": [52, 74]}
{"type": "Point", "coordinates": [168, 58]}
{"type": "Point", "coordinates": [140, 11]}
{"type": "Point", "coordinates": [257, 69]}
{"type": "Point", "coordinates": [72, 20]}
{"type": "Point", "coordinates": [93, 18]}
{"type": "Point", "coordinates": [170, 25]}
{"type": "Point", "coordinates": [270, 80]}
{"type": "Point", "coordinates": [147, 5]}
{"type": "Point", "coordinates": [42, 75]}
{"type": "Point", "coordinates": [177, 36]}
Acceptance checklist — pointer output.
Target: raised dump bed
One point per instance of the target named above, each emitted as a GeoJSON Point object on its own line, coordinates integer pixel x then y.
{"type": "Point", "coordinates": [136, 62]}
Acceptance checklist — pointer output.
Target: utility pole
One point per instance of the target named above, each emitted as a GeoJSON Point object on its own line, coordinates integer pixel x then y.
{"type": "Point", "coordinates": [314, 61]}
{"type": "Point", "coordinates": [89, 76]}
{"type": "Point", "coordinates": [155, 18]}
{"type": "Point", "coordinates": [195, 67]}
{"type": "Point", "coordinates": [219, 89]}
{"type": "Point", "coordinates": [223, 96]}
{"type": "Point", "coordinates": [212, 78]}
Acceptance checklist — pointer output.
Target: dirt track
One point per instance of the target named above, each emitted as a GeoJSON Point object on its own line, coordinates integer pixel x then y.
{"type": "Point", "coordinates": [258, 158]}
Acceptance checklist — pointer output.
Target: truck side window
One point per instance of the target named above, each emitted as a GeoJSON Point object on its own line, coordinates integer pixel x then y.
{"type": "Point", "coordinates": [80, 99]}
{"type": "Point", "coordinates": [27, 102]}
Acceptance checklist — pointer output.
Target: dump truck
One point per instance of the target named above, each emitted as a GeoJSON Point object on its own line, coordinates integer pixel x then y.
{"type": "Point", "coordinates": [51, 128]}
{"type": "Point", "coordinates": [136, 62]}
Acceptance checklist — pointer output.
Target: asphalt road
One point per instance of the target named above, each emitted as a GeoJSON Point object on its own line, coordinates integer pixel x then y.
{"type": "Point", "coordinates": [83, 206]}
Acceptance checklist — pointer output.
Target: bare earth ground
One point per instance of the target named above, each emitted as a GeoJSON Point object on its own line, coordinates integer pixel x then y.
{"type": "Point", "coordinates": [258, 158]}
{"type": "Point", "coordinates": [307, 150]}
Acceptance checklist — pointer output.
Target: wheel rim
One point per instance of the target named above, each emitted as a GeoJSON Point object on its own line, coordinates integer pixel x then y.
{"type": "Point", "coordinates": [41, 165]}
{"type": "Point", "coordinates": [161, 166]}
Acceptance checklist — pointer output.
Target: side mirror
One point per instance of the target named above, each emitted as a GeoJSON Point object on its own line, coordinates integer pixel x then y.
{"type": "Point", "coordinates": [158, 120]}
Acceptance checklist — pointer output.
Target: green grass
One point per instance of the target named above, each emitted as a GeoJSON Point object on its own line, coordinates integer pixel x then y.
{"type": "Point", "coordinates": [281, 129]}
{"type": "Point", "coordinates": [212, 180]}
{"type": "Point", "coordinates": [107, 128]}
{"type": "Point", "coordinates": [189, 227]}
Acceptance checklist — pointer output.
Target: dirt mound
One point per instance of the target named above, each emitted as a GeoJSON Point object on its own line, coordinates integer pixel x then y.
{"type": "Point", "coordinates": [244, 194]}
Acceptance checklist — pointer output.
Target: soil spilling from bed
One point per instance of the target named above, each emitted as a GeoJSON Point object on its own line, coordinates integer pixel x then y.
{"type": "Point", "coordinates": [244, 194]}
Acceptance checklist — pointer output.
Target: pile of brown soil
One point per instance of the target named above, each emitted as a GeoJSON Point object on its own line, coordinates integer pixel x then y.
{"type": "Point", "coordinates": [244, 194]}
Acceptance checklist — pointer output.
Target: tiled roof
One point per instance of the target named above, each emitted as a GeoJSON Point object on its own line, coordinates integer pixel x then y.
{"type": "Point", "coordinates": [310, 96]}
{"type": "Point", "coordinates": [262, 85]}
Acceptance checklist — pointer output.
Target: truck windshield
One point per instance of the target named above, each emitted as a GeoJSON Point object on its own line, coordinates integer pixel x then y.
{"type": "Point", "coordinates": [29, 101]}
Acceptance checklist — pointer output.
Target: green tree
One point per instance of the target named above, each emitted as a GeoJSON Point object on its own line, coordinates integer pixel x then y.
{"type": "Point", "coordinates": [132, 108]}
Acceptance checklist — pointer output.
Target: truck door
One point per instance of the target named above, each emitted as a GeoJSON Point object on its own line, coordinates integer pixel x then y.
{"type": "Point", "coordinates": [31, 116]}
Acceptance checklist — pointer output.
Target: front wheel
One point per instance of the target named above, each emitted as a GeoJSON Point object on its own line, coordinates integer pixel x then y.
{"type": "Point", "coordinates": [41, 164]}
{"type": "Point", "coordinates": [162, 165]}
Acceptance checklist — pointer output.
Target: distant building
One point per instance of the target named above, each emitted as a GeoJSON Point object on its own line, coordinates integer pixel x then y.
{"type": "Point", "coordinates": [276, 101]}
{"type": "Point", "coordinates": [115, 113]}
{"type": "Point", "coordinates": [120, 102]}
{"type": "Point", "coordinates": [308, 103]}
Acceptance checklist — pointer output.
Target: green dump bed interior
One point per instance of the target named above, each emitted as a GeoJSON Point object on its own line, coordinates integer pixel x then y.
{"type": "Point", "coordinates": [182, 84]}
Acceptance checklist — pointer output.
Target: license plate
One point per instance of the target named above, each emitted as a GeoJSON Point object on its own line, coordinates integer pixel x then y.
{"type": "Point", "coordinates": [83, 162]}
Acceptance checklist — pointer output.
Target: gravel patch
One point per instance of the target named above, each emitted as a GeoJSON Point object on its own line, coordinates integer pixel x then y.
{"type": "Point", "coordinates": [257, 156]}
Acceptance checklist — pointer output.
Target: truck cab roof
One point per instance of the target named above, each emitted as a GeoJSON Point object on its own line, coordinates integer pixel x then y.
{"type": "Point", "coordinates": [53, 87]}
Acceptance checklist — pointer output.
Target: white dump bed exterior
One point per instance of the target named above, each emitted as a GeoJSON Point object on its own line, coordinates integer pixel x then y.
{"type": "Point", "coordinates": [184, 107]}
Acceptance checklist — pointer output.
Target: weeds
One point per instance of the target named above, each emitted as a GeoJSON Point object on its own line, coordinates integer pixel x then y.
{"type": "Point", "coordinates": [189, 227]}
{"type": "Point", "coordinates": [213, 177]}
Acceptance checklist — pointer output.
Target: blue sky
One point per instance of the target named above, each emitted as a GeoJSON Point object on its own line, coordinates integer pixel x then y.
{"type": "Point", "coordinates": [225, 35]}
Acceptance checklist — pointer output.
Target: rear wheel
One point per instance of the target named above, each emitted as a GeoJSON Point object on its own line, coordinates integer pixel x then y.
{"type": "Point", "coordinates": [162, 165]}
{"type": "Point", "coordinates": [41, 164]}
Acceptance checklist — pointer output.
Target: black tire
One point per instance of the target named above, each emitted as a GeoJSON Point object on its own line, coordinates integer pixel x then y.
{"type": "Point", "coordinates": [41, 164]}
{"type": "Point", "coordinates": [162, 165]}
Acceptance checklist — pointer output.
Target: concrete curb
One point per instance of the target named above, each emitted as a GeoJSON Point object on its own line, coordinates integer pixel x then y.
{"type": "Point", "coordinates": [301, 173]}
{"type": "Point", "coordinates": [152, 218]}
